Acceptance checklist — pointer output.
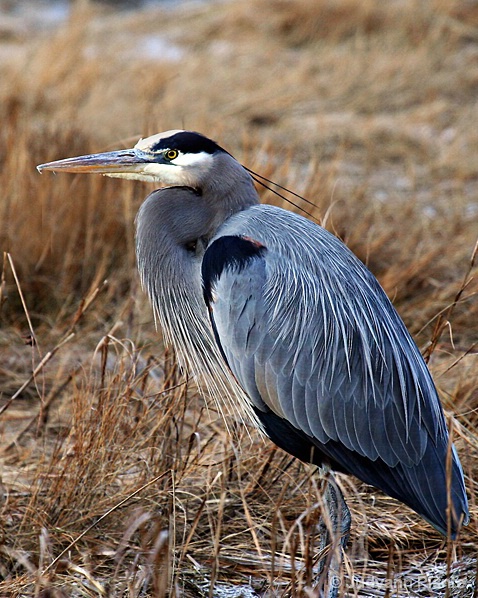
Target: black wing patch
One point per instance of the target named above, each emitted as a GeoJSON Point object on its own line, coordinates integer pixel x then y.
{"type": "Point", "coordinates": [228, 252]}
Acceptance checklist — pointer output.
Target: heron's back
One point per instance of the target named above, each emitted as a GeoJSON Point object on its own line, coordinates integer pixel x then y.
{"type": "Point", "coordinates": [329, 366]}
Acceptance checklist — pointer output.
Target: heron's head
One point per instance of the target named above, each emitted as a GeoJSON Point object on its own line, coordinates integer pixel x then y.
{"type": "Point", "coordinates": [170, 158]}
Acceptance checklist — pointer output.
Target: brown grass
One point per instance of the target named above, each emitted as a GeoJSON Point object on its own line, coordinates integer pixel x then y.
{"type": "Point", "coordinates": [116, 480]}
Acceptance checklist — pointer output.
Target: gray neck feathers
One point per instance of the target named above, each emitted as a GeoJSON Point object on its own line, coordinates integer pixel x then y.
{"type": "Point", "coordinates": [173, 228]}
{"type": "Point", "coordinates": [228, 188]}
{"type": "Point", "coordinates": [167, 223]}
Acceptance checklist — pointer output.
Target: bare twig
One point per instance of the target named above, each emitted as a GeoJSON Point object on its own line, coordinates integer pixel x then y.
{"type": "Point", "coordinates": [104, 516]}
{"type": "Point", "coordinates": [445, 317]}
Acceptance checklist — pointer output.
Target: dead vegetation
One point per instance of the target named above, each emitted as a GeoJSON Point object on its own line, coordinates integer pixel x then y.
{"type": "Point", "coordinates": [116, 479]}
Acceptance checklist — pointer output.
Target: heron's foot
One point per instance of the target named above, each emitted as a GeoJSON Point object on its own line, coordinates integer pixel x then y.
{"type": "Point", "coordinates": [328, 588]}
{"type": "Point", "coordinates": [334, 530]}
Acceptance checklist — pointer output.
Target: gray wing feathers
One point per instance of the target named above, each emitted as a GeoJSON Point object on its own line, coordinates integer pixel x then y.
{"type": "Point", "coordinates": [308, 331]}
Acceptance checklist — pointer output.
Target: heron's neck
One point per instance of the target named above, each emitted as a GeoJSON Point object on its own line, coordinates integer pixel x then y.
{"type": "Point", "coordinates": [230, 191]}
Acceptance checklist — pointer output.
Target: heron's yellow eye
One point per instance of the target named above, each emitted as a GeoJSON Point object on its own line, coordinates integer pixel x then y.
{"type": "Point", "coordinates": [171, 154]}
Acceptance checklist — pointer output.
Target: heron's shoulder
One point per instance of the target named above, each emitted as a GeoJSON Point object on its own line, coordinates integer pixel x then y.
{"type": "Point", "coordinates": [293, 239]}
{"type": "Point", "coordinates": [268, 214]}
{"type": "Point", "coordinates": [272, 226]}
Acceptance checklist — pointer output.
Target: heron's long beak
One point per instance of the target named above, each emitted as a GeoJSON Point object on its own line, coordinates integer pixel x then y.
{"type": "Point", "coordinates": [123, 163]}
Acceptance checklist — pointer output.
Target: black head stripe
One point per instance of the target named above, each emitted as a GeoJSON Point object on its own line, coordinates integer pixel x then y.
{"type": "Point", "coordinates": [188, 142]}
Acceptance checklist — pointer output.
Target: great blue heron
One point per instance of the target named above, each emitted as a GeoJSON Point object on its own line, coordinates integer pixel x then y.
{"type": "Point", "coordinates": [282, 320]}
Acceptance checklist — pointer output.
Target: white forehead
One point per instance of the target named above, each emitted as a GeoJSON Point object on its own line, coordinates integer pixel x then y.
{"type": "Point", "coordinates": [147, 142]}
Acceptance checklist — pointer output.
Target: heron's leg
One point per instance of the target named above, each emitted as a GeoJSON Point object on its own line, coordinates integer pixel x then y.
{"type": "Point", "coordinates": [334, 528]}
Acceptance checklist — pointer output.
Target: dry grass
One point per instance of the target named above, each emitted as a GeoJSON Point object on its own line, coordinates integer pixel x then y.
{"type": "Point", "coordinates": [116, 479]}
